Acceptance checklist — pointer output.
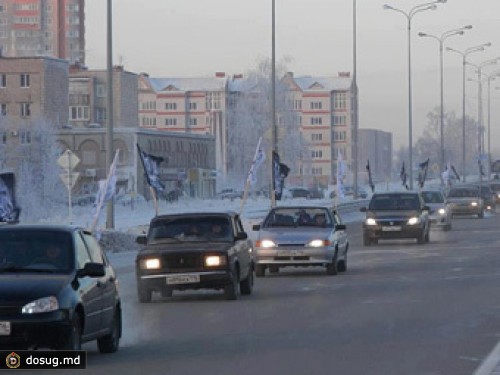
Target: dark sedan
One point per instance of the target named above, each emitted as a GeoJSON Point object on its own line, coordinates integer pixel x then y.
{"type": "Point", "coordinates": [195, 251]}
{"type": "Point", "coordinates": [57, 289]}
{"type": "Point", "coordinates": [395, 216]}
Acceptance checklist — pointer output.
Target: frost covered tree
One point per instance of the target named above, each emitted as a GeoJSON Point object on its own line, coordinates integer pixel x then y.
{"type": "Point", "coordinates": [249, 118]}
{"type": "Point", "coordinates": [32, 155]}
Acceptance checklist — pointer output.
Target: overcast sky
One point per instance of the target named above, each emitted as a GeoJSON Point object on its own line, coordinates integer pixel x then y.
{"type": "Point", "coordinates": [186, 38]}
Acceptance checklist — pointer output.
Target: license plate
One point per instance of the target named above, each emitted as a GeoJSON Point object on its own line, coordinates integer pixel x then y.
{"type": "Point", "coordinates": [290, 253]}
{"type": "Point", "coordinates": [395, 228]}
{"type": "Point", "coordinates": [183, 279]}
{"type": "Point", "coordinates": [4, 328]}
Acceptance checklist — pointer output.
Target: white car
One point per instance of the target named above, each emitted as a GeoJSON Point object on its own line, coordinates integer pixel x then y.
{"type": "Point", "coordinates": [440, 213]}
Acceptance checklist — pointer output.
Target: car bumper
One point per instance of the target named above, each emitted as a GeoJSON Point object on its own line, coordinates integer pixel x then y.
{"type": "Point", "coordinates": [294, 256]}
{"type": "Point", "coordinates": [382, 232]}
{"type": "Point", "coordinates": [192, 280]}
{"type": "Point", "coordinates": [438, 221]}
{"type": "Point", "coordinates": [466, 210]}
{"type": "Point", "coordinates": [37, 330]}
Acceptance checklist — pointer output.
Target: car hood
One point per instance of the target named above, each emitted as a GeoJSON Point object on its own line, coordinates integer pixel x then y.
{"type": "Point", "coordinates": [392, 215]}
{"type": "Point", "coordinates": [21, 288]}
{"type": "Point", "coordinates": [172, 247]}
{"type": "Point", "coordinates": [463, 199]}
{"type": "Point", "coordinates": [294, 235]}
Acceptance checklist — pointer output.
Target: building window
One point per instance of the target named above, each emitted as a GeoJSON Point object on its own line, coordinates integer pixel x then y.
{"type": "Point", "coordinates": [192, 106]}
{"type": "Point", "coordinates": [3, 80]}
{"type": "Point", "coordinates": [317, 171]}
{"type": "Point", "coordinates": [25, 80]}
{"type": "Point", "coordinates": [79, 113]}
{"type": "Point", "coordinates": [100, 90]}
{"type": "Point", "coordinates": [339, 136]}
{"type": "Point", "coordinates": [317, 154]}
{"type": "Point", "coordinates": [170, 121]}
{"type": "Point", "coordinates": [170, 106]}
{"type": "Point", "coordinates": [3, 109]}
{"type": "Point", "coordinates": [297, 104]}
{"type": "Point", "coordinates": [4, 138]}
{"type": "Point", "coordinates": [25, 110]}
{"type": "Point", "coordinates": [25, 137]}
{"type": "Point", "coordinates": [317, 137]}
{"type": "Point", "coordinates": [100, 115]}
{"type": "Point", "coordinates": [193, 122]}
{"type": "Point", "coordinates": [316, 105]}
{"type": "Point", "coordinates": [316, 121]}
{"type": "Point", "coordinates": [339, 120]}
{"type": "Point", "coordinates": [339, 100]}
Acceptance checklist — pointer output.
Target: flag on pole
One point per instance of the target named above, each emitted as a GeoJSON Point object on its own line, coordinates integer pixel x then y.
{"type": "Point", "coordinates": [106, 190]}
{"type": "Point", "coordinates": [455, 172]}
{"type": "Point", "coordinates": [341, 173]}
{"type": "Point", "coordinates": [258, 160]}
{"type": "Point", "coordinates": [403, 175]}
{"type": "Point", "coordinates": [151, 165]}
{"type": "Point", "coordinates": [370, 181]}
{"type": "Point", "coordinates": [446, 175]}
{"type": "Point", "coordinates": [422, 173]}
{"type": "Point", "coordinates": [280, 173]}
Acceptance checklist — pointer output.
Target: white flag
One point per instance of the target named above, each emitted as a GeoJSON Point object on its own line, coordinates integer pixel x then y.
{"type": "Point", "coordinates": [258, 160]}
{"type": "Point", "coordinates": [446, 174]}
{"type": "Point", "coordinates": [341, 172]}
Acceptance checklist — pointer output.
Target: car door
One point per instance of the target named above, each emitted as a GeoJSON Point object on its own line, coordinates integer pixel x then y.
{"type": "Point", "coordinates": [242, 249]}
{"type": "Point", "coordinates": [88, 289]}
{"type": "Point", "coordinates": [106, 283]}
{"type": "Point", "coordinates": [340, 235]}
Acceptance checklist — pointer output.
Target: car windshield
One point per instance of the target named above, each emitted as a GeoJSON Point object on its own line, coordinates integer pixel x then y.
{"type": "Point", "coordinates": [36, 251]}
{"type": "Point", "coordinates": [390, 202]}
{"type": "Point", "coordinates": [191, 229]}
{"type": "Point", "coordinates": [298, 217]}
{"type": "Point", "coordinates": [433, 197]}
{"type": "Point", "coordinates": [463, 193]}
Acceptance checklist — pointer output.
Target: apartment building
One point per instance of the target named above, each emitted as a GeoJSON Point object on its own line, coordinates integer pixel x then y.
{"type": "Point", "coordinates": [322, 106]}
{"type": "Point", "coordinates": [186, 105]}
{"type": "Point", "coordinates": [43, 28]}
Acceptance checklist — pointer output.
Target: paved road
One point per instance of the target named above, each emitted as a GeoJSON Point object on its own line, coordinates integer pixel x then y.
{"type": "Point", "coordinates": [401, 308]}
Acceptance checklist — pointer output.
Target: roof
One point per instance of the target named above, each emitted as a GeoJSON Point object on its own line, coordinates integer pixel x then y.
{"type": "Point", "coordinates": [308, 83]}
{"type": "Point", "coordinates": [187, 84]}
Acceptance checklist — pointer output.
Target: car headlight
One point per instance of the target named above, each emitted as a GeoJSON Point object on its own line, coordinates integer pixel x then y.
{"type": "Point", "coordinates": [41, 305]}
{"type": "Point", "coordinates": [442, 211]}
{"type": "Point", "coordinates": [498, 195]}
{"type": "Point", "coordinates": [473, 204]}
{"type": "Point", "coordinates": [413, 220]}
{"type": "Point", "coordinates": [150, 263]}
{"type": "Point", "coordinates": [371, 221]}
{"type": "Point", "coordinates": [266, 244]}
{"type": "Point", "coordinates": [215, 260]}
{"type": "Point", "coordinates": [318, 243]}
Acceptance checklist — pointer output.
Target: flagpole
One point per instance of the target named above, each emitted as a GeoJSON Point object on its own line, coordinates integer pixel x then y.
{"type": "Point", "coordinates": [273, 101]}
{"type": "Point", "coordinates": [155, 199]}
{"type": "Point", "coordinates": [253, 170]}
{"type": "Point", "coordinates": [110, 218]}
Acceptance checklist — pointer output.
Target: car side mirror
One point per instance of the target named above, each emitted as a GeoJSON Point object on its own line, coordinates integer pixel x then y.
{"type": "Point", "coordinates": [256, 227]}
{"type": "Point", "coordinates": [340, 227]}
{"type": "Point", "coordinates": [241, 236]}
{"type": "Point", "coordinates": [92, 270]}
{"type": "Point", "coordinates": [363, 209]}
{"type": "Point", "coordinates": [141, 240]}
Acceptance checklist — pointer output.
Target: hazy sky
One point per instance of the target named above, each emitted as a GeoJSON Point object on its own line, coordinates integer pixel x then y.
{"type": "Point", "coordinates": [179, 38]}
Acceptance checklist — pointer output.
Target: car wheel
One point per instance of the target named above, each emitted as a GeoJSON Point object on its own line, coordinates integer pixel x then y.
{"type": "Point", "coordinates": [144, 294]}
{"type": "Point", "coordinates": [74, 339]}
{"type": "Point", "coordinates": [342, 266]}
{"type": "Point", "coordinates": [274, 269]}
{"type": "Point", "coordinates": [332, 268]}
{"type": "Point", "coordinates": [480, 215]}
{"type": "Point", "coordinates": [167, 292]}
{"type": "Point", "coordinates": [246, 286]}
{"type": "Point", "coordinates": [231, 290]}
{"type": "Point", "coordinates": [111, 342]}
{"type": "Point", "coordinates": [421, 238]}
{"type": "Point", "coordinates": [260, 270]}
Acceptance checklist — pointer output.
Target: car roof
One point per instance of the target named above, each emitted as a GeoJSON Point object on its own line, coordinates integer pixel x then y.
{"type": "Point", "coordinates": [195, 214]}
{"type": "Point", "coordinates": [40, 227]}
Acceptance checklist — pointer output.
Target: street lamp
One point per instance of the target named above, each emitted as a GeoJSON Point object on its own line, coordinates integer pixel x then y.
{"type": "Point", "coordinates": [491, 77]}
{"type": "Point", "coordinates": [110, 215]}
{"type": "Point", "coordinates": [409, 16]}
{"type": "Point", "coordinates": [273, 104]}
{"type": "Point", "coordinates": [464, 55]}
{"type": "Point", "coordinates": [441, 39]}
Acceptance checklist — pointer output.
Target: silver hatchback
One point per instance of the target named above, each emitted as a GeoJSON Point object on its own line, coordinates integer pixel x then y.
{"type": "Point", "coordinates": [301, 236]}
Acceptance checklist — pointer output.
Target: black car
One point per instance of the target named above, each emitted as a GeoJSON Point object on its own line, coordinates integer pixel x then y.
{"type": "Point", "coordinates": [395, 215]}
{"type": "Point", "coordinates": [57, 289]}
{"type": "Point", "coordinates": [195, 251]}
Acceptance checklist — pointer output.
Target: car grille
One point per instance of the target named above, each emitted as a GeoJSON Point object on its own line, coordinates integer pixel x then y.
{"type": "Point", "coordinates": [390, 223]}
{"type": "Point", "coordinates": [292, 258]}
{"type": "Point", "coordinates": [291, 245]}
{"type": "Point", "coordinates": [180, 261]}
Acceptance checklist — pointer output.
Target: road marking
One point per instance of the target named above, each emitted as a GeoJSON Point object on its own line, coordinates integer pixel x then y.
{"type": "Point", "coordinates": [490, 362]}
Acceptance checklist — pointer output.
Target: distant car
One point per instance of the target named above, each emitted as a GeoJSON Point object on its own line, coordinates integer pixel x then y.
{"type": "Point", "coordinates": [465, 200]}
{"type": "Point", "coordinates": [230, 193]}
{"type": "Point", "coordinates": [495, 187]}
{"type": "Point", "coordinates": [349, 191]}
{"type": "Point", "coordinates": [488, 196]}
{"type": "Point", "coordinates": [396, 215]}
{"type": "Point", "coordinates": [298, 192]}
{"type": "Point", "coordinates": [301, 236]}
{"type": "Point", "coordinates": [57, 290]}
{"type": "Point", "coordinates": [183, 252]}
{"type": "Point", "coordinates": [440, 213]}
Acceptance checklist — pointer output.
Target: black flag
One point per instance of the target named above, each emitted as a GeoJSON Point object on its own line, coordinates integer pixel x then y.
{"type": "Point", "coordinates": [455, 172]}
{"type": "Point", "coordinates": [151, 167]}
{"type": "Point", "coordinates": [9, 212]}
{"type": "Point", "coordinates": [370, 181]}
{"type": "Point", "coordinates": [403, 176]}
{"type": "Point", "coordinates": [422, 174]}
{"type": "Point", "coordinates": [280, 173]}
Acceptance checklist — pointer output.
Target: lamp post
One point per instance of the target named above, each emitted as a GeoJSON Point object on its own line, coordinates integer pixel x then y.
{"type": "Point", "coordinates": [355, 104]}
{"type": "Point", "coordinates": [464, 55]}
{"type": "Point", "coordinates": [273, 105]}
{"type": "Point", "coordinates": [409, 16]}
{"type": "Point", "coordinates": [110, 216]}
{"type": "Point", "coordinates": [441, 39]}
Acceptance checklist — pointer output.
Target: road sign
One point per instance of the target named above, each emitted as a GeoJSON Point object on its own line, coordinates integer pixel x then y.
{"type": "Point", "coordinates": [68, 160]}
{"type": "Point", "coordinates": [69, 179]}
